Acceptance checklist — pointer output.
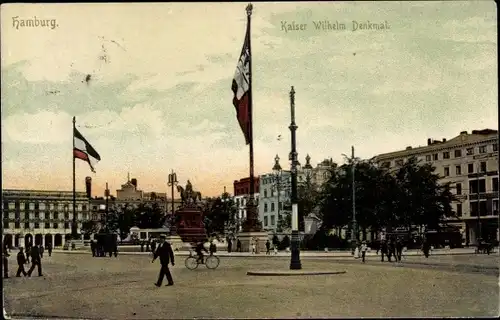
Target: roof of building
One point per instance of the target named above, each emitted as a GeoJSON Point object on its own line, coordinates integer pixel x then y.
{"type": "Point", "coordinates": [463, 138]}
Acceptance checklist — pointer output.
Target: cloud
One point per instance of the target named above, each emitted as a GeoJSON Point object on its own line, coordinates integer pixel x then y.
{"type": "Point", "coordinates": [42, 127]}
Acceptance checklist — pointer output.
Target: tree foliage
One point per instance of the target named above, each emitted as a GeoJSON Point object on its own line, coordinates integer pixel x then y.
{"type": "Point", "coordinates": [407, 196]}
{"type": "Point", "coordinates": [219, 215]}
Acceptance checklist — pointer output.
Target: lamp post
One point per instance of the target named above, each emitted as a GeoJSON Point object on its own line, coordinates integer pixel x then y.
{"type": "Point", "coordinates": [295, 263]}
{"type": "Point", "coordinates": [277, 175]}
{"type": "Point", "coordinates": [478, 206]}
{"type": "Point", "coordinates": [354, 222]}
{"type": "Point", "coordinates": [106, 195]}
{"type": "Point", "coordinates": [172, 181]}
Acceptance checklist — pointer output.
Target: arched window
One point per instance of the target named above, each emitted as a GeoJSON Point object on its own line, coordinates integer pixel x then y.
{"type": "Point", "coordinates": [272, 207]}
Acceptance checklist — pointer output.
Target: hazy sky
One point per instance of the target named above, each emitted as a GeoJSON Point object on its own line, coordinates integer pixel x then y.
{"type": "Point", "coordinates": [160, 94]}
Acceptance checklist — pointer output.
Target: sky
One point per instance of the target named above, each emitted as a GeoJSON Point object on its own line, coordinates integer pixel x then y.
{"type": "Point", "coordinates": [159, 97]}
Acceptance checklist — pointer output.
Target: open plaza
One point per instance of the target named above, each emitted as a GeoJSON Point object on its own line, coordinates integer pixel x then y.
{"type": "Point", "coordinates": [75, 285]}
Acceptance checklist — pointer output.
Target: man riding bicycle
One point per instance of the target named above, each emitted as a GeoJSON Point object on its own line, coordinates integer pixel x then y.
{"type": "Point", "coordinates": [200, 247]}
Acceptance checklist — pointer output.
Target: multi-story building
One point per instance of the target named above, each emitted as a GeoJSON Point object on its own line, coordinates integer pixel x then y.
{"type": "Point", "coordinates": [274, 198]}
{"type": "Point", "coordinates": [241, 193]}
{"type": "Point", "coordinates": [41, 217]}
{"type": "Point", "coordinates": [470, 163]}
{"type": "Point", "coordinates": [130, 195]}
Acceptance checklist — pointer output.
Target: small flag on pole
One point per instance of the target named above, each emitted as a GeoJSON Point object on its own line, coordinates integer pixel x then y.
{"type": "Point", "coordinates": [83, 150]}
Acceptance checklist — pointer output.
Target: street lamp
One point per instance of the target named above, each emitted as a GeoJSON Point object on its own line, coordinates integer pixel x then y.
{"type": "Point", "coordinates": [354, 222]}
{"type": "Point", "coordinates": [308, 170]}
{"type": "Point", "coordinates": [295, 263]}
{"type": "Point", "coordinates": [106, 195]}
{"type": "Point", "coordinates": [277, 175]}
{"type": "Point", "coordinates": [172, 181]}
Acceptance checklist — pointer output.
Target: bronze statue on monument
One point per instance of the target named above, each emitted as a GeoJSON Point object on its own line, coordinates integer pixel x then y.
{"type": "Point", "coordinates": [189, 196]}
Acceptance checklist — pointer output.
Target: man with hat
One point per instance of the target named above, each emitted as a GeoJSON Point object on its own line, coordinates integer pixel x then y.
{"type": "Point", "coordinates": [166, 254]}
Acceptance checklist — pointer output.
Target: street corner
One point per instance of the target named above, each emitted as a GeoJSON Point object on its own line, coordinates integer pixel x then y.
{"type": "Point", "coordinates": [285, 273]}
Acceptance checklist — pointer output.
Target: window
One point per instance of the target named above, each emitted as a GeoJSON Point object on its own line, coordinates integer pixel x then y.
{"type": "Point", "coordinates": [435, 156]}
{"type": "Point", "coordinates": [494, 184]}
{"type": "Point", "coordinates": [265, 207]}
{"type": "Point", "coordinates": [56, 215]}
{"type": "Point", "coordinates": [459, 209]}
{"type": "Point", "coordinates": [26, 215]}
{"type": "Point", "coordinates": [475, 184]}
{"type": "Point", "coordinates": [428, 157]}
{"type": "Point", "coordinates": [66, 215]}
{"type": "Point", "coordinates": [272, 207]}
{"type": "Point", "coordinates": [265, 193]}
{"type": "Point", "coordinates": [37, 215]}
{"type": "Point", "coordinates": [458, 170]}
{"type": "Point", "coordinates": [84, 208]}
{"type": "Point", "coordinates": [47, 225]}
{"type": "Point", "coordinates": [37, 225]}
{"type": "Point", "coordinates": [482, 149]}
{"type": "Point", "coordinates": [273, 220]}
{"type": "Point", "coordinates": [265, 221]}
{"type": "Point", "coordinates": [470, 168]}
{"type": "Point", "coordinates": [238, 202]}
{"type": "Point", "coordinates": [56, 225]}
{"type": "Point", "coordinates": [495, 147]}
{"type": "Point", "coordinates": [446, 155]}
{"type": "Point", "coordinates": [494, 207]}
{"type": "Point", "coordinates": [459, 188]}
{"type": "Point", "coordinates": [66, 225]}
{"type": "Point", "coordinates": [470, 151]}
{"type": "Point", "coordinates": [94, 216]}
{"type": "Point", "coordinates": [26, 225]}
{"type": "Point", "coordinates": [17, 225]}
{"type": "Point", "coordinates": [458, 153]}
{"type": "Point", "coordinates": [447, 171]}
{"type": "Point", "coordinates": [483, 166]}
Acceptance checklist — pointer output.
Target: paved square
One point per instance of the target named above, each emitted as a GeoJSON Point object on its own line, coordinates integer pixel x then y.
{"type": "Point", "coordinates": [77, 285]}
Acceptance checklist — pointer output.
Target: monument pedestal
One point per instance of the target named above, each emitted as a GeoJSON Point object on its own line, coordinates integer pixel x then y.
{"type": "Point", "coordinates": [247, 239]}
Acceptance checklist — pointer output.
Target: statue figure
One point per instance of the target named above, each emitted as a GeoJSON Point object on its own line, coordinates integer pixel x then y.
{"type": "Point", "coordinates": [188, 195]}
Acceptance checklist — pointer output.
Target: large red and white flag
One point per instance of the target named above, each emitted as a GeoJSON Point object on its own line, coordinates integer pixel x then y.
{"type": "Point", "coordinates": [84, 151]}
{"type": "Point", "coordinates": [242, 90]}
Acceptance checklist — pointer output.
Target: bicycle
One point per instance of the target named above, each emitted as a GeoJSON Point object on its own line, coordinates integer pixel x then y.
{"type": "Point", "coordinates": [192, 262]}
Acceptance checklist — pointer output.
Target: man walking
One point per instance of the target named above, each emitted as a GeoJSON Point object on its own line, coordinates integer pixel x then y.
{"type": "Point", "coordinates": [364, 248]}
{"type": "Point", "coordinates": [399, 249]}
{"type": "Point", "coordinates": [5, 261]}
{"type": "Point", "coordinates": [21, 260]}
{"type": "Point", "coordinates": [268, 247]}
{"type": "Point", "coordinates": [383, 249]}
{"type": "Point", "coordinates": [49, 249]}
{"type": "Point", "coordinates": [166, 255]}
{"type": "Point", "coordinates": [36, 260]}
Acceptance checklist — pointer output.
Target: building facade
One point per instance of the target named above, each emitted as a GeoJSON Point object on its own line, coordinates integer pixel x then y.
{"type": "Point", "coordinates": [470, 163]}
{"type": "Point", "coordinates": [274, 199]}
{"type": "Point", "coordinates": [41, 217]}
{"type": "Point", "coordinates": [241, 194]}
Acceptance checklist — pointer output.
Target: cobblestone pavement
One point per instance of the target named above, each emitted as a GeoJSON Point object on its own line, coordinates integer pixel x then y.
{"type": "Point", "coordinates": [79, 286]}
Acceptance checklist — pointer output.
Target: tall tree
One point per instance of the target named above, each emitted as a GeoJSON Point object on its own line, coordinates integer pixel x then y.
{"type": "Point", "coordinates": [149, 216]}
{"type": "Point", "coordinates": [219, 215]}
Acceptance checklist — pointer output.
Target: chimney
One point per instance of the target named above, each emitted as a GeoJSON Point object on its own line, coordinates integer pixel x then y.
{"type": "Point", "coordinates": [134, 182]}
{"type": "Point", "coordinates": [408, 148]}
{"type": "Point", "coordinates": [463, 132]}
{"type": "Point", "coordinates": [88, 187]}
{"type": "Point", "coordinates": [429, 141]}
{"type": "Point", "coordinates": [444, 139]}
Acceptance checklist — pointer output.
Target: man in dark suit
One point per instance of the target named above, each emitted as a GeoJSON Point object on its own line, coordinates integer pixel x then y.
{"type": "Point", "coordinates": [36, 260]}
{"type": "Point", "coordinates": [166, 254]}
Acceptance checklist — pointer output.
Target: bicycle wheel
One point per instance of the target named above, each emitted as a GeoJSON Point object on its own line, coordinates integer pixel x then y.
{"type": "Point", "coordinates": [191, 263]}
{"type": "Point", "coordinates": [212, 262]}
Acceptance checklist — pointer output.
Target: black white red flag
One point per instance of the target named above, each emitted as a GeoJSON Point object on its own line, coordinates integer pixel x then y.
{"type": "Point", "coordinates": [84, 151]}
{"type": "Point", "coordinates": [241, 88]}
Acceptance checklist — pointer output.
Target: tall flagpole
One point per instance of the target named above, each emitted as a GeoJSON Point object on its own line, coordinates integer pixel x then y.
{"type": "Point", "coordinates": [252, 222]}
{"type": "Point", "coordinates": [73, 225]}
